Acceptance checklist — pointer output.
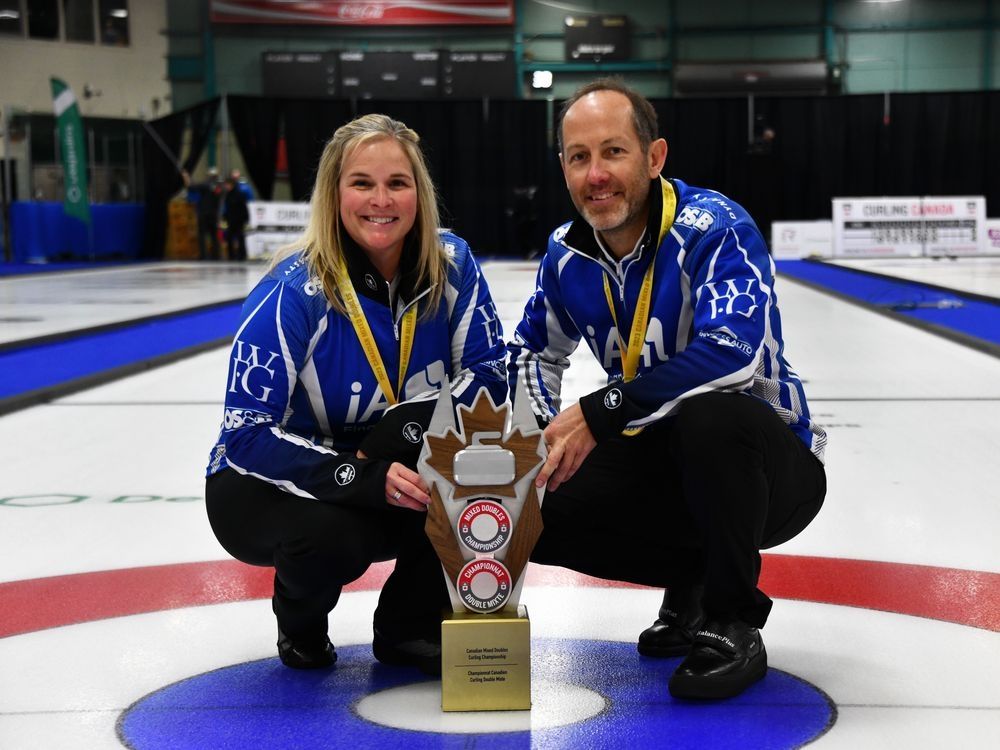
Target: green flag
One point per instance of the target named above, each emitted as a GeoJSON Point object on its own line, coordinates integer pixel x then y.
{"type": "Point", "coordinates": [74, 155]}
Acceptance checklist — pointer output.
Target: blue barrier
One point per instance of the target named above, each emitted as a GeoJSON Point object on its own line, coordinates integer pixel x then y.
{"type": "Point", "coordinates": [40, 231]}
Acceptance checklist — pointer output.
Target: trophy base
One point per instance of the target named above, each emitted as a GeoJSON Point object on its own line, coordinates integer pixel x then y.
{"type": "Point", "coordinates": [486, 661]}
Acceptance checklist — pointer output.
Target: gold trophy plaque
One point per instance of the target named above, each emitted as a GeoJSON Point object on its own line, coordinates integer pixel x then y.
{"type": "Point", "coordinates": [483, 520]}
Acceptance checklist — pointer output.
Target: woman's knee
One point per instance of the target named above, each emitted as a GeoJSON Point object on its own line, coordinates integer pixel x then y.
{"type": "Point", "coordinates": [339, 545]}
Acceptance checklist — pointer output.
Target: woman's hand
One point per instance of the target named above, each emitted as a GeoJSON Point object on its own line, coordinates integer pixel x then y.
{"type": "Point", "coordinates": [404, 488]}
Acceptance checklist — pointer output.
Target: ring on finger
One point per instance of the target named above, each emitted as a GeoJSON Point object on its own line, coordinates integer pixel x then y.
{"type": "Point", "coordinates": [397, 494]}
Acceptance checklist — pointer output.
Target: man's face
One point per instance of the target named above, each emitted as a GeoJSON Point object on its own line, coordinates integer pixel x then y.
{"type": "Point", "coordinates": [606, 172]}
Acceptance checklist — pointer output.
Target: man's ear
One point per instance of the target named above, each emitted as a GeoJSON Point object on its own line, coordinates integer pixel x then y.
{"type": "Point", "coordinates": [657, 156]}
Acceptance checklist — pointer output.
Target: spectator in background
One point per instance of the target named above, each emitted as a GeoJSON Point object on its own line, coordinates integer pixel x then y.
{"type": "Point", "coordinates": [236, 214]}
{"type": "Point", "coordinates": [244, 186]}
{"type": "Point", "coordinates": [205, 197]}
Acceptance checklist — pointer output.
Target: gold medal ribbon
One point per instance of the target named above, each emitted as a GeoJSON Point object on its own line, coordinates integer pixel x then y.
{"type": "Point", "coordinates": [640, 321]}
{"type": "Point", "coordinates": [367, 339]}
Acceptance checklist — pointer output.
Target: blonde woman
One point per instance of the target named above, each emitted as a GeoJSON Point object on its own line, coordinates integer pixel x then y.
{"type": "Point", "coordinates": [340, 353]}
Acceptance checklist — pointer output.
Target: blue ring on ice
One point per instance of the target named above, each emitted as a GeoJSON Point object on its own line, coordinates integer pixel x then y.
{"type": "Point", "coordinates": [264, 704]}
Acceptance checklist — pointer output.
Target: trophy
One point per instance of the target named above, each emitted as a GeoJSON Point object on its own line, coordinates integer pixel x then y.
{"type": "Point", "coordinates": [483, 520]}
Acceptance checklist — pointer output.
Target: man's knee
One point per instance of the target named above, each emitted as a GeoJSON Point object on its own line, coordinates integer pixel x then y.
{"type": "Point", "coordinates": [715, 422]}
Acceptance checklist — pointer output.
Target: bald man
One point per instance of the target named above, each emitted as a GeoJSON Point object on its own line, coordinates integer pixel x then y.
{"type": "Point", "coordinates": [700, 450]}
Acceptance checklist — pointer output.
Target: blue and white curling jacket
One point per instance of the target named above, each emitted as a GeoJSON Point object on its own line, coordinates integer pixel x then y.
{"type": "Point", "coordinates": [301, 396]}
{"type": "Point", "coordinates": [713, 324]}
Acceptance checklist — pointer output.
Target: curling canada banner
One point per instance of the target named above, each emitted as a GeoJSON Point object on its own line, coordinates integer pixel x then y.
{"type": "Point", "coordinates": [365, 12]}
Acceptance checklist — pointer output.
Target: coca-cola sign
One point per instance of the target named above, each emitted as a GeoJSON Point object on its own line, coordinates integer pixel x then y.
{"type": "Point", "coordinates": [365, 12]}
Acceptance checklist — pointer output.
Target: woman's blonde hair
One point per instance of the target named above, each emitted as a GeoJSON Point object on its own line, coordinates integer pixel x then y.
{"type": "Point", "coordinates": [321, 243]}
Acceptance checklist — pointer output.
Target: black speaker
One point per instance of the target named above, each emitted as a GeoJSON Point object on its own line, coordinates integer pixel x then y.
{"type": "Point", "coordinates": [600, 37]}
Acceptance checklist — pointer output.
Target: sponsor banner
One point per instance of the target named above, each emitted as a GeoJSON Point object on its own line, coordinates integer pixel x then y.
{"type": "Point", "coordinates": [263, 245]}
{"type": "Point", "coordinates": [274, 224]}
{"type": "Point", "coordinates": [365, 12]}
{"type": "Point", "coordinates": [909, 227]}
{"type": "Point", "coordinates": [276, 215]}
{"type": "Point", "coordinates": [76, 202]}
{"type": "Point", "coordinates": [993, 236]}
{"type": "Point", "coordinates": [801, 239]}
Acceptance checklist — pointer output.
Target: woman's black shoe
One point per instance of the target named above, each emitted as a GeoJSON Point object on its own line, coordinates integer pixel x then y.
{"type": "Point", "coordinates": [305, 653]}
{"type": "Point", "coordinates": [725, 659]}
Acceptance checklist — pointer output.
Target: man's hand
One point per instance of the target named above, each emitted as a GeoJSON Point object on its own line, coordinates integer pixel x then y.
{"type": "Point", "coordinates": [569, 440]}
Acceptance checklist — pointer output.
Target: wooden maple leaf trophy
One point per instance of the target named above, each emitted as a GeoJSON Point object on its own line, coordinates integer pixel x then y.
{"type": "Point", "coordinates": [483, 520]}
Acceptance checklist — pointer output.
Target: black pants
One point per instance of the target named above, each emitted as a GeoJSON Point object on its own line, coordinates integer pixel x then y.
{"type": "Point", "coordinates": [236, 243]}
{"type": "Point", "coordinates": [208, 234]}
{"type": "Point", "coordinates": [316, 548]}
{"type": "Point", "coordinates": [691, 499]}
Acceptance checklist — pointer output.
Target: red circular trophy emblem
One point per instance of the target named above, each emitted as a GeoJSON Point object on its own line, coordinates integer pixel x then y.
{"type": "Point", "coordinates": [484, 526]}
{"type": "Point", "coordinates": [484, 584]}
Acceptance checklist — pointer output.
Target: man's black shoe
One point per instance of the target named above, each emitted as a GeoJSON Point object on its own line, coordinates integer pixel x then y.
{"type": "Point", "coordinates": [678, 620]}
{"type": "Point", "coordinates": [725, 659]}
{"type": "Point", "coordinates": [305, 653]}
{"type": "Point", "coordinates": [421, 653]}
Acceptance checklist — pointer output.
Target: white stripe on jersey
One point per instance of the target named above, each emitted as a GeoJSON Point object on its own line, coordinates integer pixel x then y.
{"type": "Point", "coordinates": [290, 370]}
{"type": "Point", "coordinates": [250, 316]}
{"type": "Point", "coordinates": [310, 380]}
{"type": "Point", "coordinates": [461, 334]}
{"type": "Point", "coordinates": [685, 319]}
{"type": "Point", "coordinates": [300, 441]}
{"type": "Point", "coordinates": [283, 484]}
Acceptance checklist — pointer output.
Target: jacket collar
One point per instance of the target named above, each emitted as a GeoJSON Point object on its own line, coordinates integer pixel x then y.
{"type": "Point", "coordinates": [366, 279]}
{"type": "Point", "coordinates": [580, 235]}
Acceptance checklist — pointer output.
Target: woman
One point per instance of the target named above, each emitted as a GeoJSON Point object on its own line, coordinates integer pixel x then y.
{"type": "Point", "coordinates": [313, 471]}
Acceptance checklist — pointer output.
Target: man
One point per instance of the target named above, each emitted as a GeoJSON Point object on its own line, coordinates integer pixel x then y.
{"type": "Point", "coordinates": [236, 214]}
{"type": "Point", "coordinates": [206, 197]}
{"type": "Point", "coordinates": [700, 450]}
{"type": "Point", "coordinates": [237, 177]}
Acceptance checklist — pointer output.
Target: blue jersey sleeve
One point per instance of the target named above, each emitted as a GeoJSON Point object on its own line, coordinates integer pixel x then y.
{"type": "Point", "coordinates": [477, 347]}
{"type": "Point", "coordinates": [539, 351]}
{"type": "Point", "coordinates": [731, 281]}
{"type": "Point", "coordinates": [278, 326]}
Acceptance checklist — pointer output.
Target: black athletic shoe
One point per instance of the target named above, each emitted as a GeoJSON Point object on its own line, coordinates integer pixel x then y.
{"type": "Point", "coordinates": [306, 653]}
{"type": "Point", "coordinates": [421, 653]}
{"type": "Point", "coordinates": [725, 659]}
{"type": "Point", "coordinates": [680, 617]}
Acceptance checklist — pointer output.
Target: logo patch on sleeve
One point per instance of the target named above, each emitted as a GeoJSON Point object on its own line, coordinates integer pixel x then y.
{"type": "Point", "coordinates": [344, 475]}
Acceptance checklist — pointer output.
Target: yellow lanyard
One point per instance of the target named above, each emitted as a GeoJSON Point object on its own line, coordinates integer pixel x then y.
{"type": "Point", "coordinates": [640, 321]}
{"type": "Point", "coordinates": [364, 331]}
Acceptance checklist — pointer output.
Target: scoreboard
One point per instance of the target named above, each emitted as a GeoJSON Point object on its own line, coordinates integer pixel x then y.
{"type": "Point", "coordinates": [908, 227]}
{"type": "Point", "coordinates": [302, 74]}
{"type": "Point", "coordinates": [428, 74]}
{"type": "Point", "coordinates": [390, 75]}
{"type": "Point", "coordinates": [473, 75]}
